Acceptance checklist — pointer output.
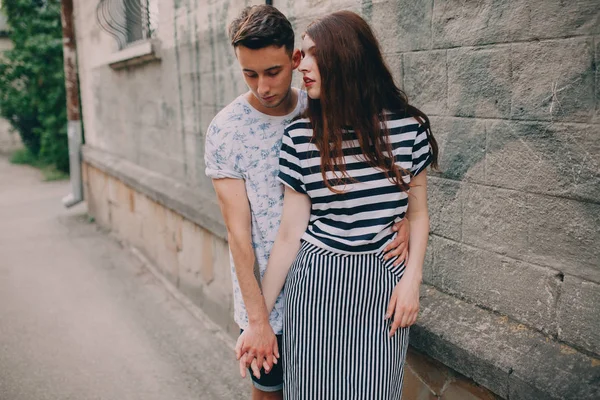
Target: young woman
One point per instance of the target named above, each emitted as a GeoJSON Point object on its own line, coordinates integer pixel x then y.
{"type": "Point", "coordinates": [352, 167]}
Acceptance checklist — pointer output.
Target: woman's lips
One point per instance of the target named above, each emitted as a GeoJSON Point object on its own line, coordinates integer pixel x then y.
{"type": "Point", "coordinates": [308, 82]}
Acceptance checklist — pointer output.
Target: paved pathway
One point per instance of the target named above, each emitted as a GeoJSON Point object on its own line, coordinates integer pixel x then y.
{"type": "Point", "coordinates": [81, 318]}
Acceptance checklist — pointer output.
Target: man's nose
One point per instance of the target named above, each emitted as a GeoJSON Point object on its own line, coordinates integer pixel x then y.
{"type": "Point", "coordinates": [263, 86]}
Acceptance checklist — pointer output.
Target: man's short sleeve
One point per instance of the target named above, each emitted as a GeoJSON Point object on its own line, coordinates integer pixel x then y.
{"type": "Point", "coordinates": [290, 169]}
{"type": "Point", "coordinates": [421, 152]}
{"type": "Point", "coordinates": [219, 154]}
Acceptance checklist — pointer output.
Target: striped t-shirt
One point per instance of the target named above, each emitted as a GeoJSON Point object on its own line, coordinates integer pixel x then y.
{"type": "Point", "coordinates": [360, 219]}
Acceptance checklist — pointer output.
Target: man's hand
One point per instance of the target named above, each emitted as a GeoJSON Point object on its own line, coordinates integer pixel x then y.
{"type": "Point", "coordinates": [399, 246]}
{"type": "Point", "coordinates": [257, 346]}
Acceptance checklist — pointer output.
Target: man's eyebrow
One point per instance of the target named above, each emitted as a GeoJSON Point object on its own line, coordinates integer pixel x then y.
{"type": "Point", "coordinates": [268, 69]}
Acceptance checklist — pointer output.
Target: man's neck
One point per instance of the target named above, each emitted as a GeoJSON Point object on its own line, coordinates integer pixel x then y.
{"type": "Point", "coordinates": [286, 107]}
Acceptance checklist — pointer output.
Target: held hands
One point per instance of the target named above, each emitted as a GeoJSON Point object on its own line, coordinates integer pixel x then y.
{"type": "Point", "coordinates": [404, 304]}
{"type": "Point", "coordinates": [399, 246]}
{"type": "Point", "coordinates": [257, 347]}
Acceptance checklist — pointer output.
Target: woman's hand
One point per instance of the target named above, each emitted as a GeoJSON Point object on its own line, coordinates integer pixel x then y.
{"type": "Point", "coordinates": [404, 304]}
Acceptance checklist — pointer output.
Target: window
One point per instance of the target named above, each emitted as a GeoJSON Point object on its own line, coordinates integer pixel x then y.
{"type": "Point", "coordinates": [128, 21]}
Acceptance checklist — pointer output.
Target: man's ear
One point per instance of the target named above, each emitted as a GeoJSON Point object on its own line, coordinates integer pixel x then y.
{"type": "Point", "coordinates": [296, 58]}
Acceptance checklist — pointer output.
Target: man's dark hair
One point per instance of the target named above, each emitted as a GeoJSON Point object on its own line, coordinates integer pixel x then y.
{"type": "Point", "coordinates": [261, 26]}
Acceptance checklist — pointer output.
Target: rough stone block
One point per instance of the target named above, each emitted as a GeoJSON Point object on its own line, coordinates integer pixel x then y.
{"type": "Point", "coordinates": [461, 143]}
{"type": "Point", "coordinates": [220, 284]}
{"type": "Point", "coordinates": [384, 25]}
{"type": "Point", "coordinates": [523, 291]}
{"type": "Point", "coordinates": [551, 158]}
{"type": "Point", "coordinates": [97, 196]}
{"type": "Point", "coordinates": [596, 119]}
{"type": "Point", "coordinates": [553, 80]}
{"type": "Point", "coordinates": [125, 222]}
{"type": "Point", "coordinates": [564, 234]}
{"type": "Point", "coordinates": [459, 23]}
{"type": "Point", "coordinates": [191, 254]}
{"type": "Point", "coordinates": [204, 267]}
{"type": "Point", "coordinates": [166, 249]}
{"type": "Point", "coordinates": [150, 227]}
{"type": "Point", "coordinates": [301, 12]}
{"type": "Point", "coordinates": [426, 81]}
{"type": "Point", "coordinates": [428, 264]}
{"type": "Point", "coordinates": [208, 260]}
{"type": "Point", "coordinates": [413, 24]}
{"type": "Point", "coordinates": [448, 331]}
{"type": "Point", "coordinates": [394, 62]}
{"type": "Point", "coordinates": [578, 321]}
{"type": "Point", "coordinates": [479, 82]}
{"type": "Point", "coordinates": [499, 354]}
{"type": "Point", "coordinates": [173, 227]}
{"type": "Point", "coordinates": [554, 371]}
{"type": "Point", "coordinates": [445, 198]}
{"type": "Point", "coordinates": [496, 219]}
{"type": "Point", "coordinates": [556, 18]}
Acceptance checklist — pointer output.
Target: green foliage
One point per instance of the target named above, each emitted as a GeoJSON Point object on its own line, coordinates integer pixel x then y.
{"type": "Point", "coordinates": [23, 157]}
{"type": "Point", "coordinates": [32, 86]}
{"type": "Point", "coordinates": [49, 171]}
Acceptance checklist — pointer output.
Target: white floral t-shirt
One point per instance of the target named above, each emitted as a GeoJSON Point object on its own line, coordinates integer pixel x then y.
{"type": "Point", "coordinates": [243, 143]}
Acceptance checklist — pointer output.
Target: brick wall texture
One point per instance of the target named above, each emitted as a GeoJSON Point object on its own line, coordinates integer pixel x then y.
{"type": "Point", "coordinates": [513, 92]}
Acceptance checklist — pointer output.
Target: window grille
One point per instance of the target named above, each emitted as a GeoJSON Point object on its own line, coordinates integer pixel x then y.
{"type": "Point", "coordinates": [128, 21]}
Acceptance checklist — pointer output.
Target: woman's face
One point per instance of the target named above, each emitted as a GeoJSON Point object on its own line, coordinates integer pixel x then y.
{"type": "Point", "coordinates": [309, 68]}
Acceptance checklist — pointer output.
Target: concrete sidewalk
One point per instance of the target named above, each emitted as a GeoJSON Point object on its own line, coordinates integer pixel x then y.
{"type": "Point", "coordinates": [82, 318]}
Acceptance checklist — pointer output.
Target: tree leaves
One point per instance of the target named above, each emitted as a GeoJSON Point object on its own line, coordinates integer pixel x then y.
{"type": "Point", "coordinates": [32, 87]}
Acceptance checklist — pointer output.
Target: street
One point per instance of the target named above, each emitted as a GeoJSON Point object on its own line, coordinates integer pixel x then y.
{"type": "Point", "coordinates": [82, 318]}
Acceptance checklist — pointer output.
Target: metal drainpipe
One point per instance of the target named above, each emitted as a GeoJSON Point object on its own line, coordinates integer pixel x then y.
{"type": "Point", "coordinates": [73, 117]}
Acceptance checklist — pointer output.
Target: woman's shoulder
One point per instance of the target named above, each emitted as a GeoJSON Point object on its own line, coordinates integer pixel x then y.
{"type": "Point", "coordinates": [402, 119]}
{"type": "Point", "coordinates": [299, 127]}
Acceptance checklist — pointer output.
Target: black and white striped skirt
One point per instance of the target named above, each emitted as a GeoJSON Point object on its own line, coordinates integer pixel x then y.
{"type": "Point", "coordinates": [336, 341]}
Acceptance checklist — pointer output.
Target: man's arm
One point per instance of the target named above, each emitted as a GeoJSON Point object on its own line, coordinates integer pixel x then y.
{"type": "Point", "coordinates": [399, 246]}
{"type": "Point", "coordinates": [235, 208]}
{"type": "Point", "coordinates": [294, 220]}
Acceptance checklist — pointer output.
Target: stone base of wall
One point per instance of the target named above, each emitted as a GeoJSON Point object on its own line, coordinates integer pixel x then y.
{"type": "Point", "coordinates": [181, 232]}
{"type": "Point", "coordinates": [192, 258]}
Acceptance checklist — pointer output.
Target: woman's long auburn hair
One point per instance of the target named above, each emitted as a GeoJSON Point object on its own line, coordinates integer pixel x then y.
{"type": "Point", "coordinates": [357, 89]}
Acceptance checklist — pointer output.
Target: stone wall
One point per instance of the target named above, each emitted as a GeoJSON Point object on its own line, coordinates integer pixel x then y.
{"type": "Point", "coordinates": [513, 267]}
{"type": "Point", "coordinates": [510, 89]}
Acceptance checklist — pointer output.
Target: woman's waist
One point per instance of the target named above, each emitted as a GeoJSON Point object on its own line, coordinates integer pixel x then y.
{"type": "Point", "coordinates": [339, 246]}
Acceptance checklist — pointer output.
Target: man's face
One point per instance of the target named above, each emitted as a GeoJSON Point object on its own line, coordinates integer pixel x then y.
{"type": "Point", "coordinates": [268, 72]}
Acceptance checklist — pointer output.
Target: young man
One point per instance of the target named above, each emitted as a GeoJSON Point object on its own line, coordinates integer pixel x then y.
{"type": "Point", "coordinates": [242, 158]}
